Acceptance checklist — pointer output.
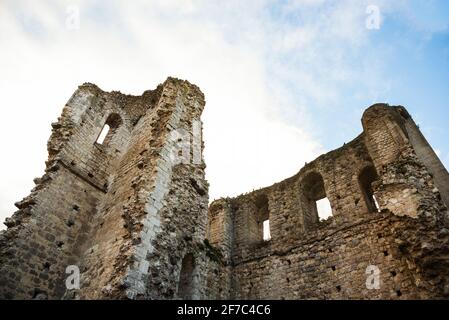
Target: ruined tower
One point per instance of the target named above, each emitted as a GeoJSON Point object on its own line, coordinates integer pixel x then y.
{"type": "Point", "coordinates": [128, 210]}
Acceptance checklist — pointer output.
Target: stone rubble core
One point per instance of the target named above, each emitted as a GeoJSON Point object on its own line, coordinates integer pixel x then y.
{"type": "Point", "coordinates": [138, 226]}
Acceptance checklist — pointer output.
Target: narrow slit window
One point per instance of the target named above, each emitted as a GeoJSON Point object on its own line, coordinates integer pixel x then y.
{"type": "Point", "coordinates": [103, 134]}
{"type": "Point", "coordinates": [366, 178]}
{"type": "Point", "coordinates": [186, 283]}
{"type": "Point", "coordinates": [376, 204]}
{"type": "Point", "coordinates": [259, 228]}
{"type": "Point", "coordinates": [109, 129]}
{"type": "Point", "coordinates": [266, 230]}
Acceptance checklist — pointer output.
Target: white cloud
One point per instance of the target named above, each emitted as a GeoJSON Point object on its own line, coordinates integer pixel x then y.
{"type": "Point", "coordinates": [257, 125]}
{"type": "Point", "coordinates": [42, 63]}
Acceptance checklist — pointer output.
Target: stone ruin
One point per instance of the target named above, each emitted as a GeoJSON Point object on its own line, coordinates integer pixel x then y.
{"type": "Point", "coordinates": [136, 224]}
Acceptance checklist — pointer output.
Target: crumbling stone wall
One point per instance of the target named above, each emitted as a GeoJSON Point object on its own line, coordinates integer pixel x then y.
{"type": "Point", "coordinates": [125, 212]}
{"type": "Point", "coordinates": [132, 213]}
{"type": "Point", "coordinates": [389, 217]}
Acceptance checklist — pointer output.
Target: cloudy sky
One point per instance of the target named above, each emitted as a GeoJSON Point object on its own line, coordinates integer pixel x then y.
{"type": "Point", "coordinates": [284, 80]}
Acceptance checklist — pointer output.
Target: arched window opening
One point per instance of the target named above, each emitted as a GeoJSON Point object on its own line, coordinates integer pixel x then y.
{"type": "Point", "coordinates": [366, 178]}
{"type": "Point", "coordinates": [186, 283]}
{"type": "Point", "coordinates": [315, 203]}
{"type": "Point", "coordinates": [262, 218]}
{"type": "Point", "coordinates": [109, 129]}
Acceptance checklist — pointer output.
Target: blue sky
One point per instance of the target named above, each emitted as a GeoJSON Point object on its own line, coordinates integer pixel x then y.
{"type": "Point", "coordinates": [414, 47]}
{"type": "Point", "coordinates": [408, 55]}
{"type": "Point", "coordinates": [285, 81]}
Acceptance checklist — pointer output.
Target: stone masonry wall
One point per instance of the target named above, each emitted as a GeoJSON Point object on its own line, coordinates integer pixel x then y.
{"type": "Point", "coordinates": [108, 208]}
{"type": "Point", "coordinates": [131, 213]}
{"type": "Point", "coordinates": [387, 216]}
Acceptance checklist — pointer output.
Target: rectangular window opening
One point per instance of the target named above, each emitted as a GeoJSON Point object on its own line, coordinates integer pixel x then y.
{"type": "Point", "coordinates": [103, 134]}
{"type": "Point", "coordinates": [266, 230]}
{"type": "Point", "coordinates": [324, 209]}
